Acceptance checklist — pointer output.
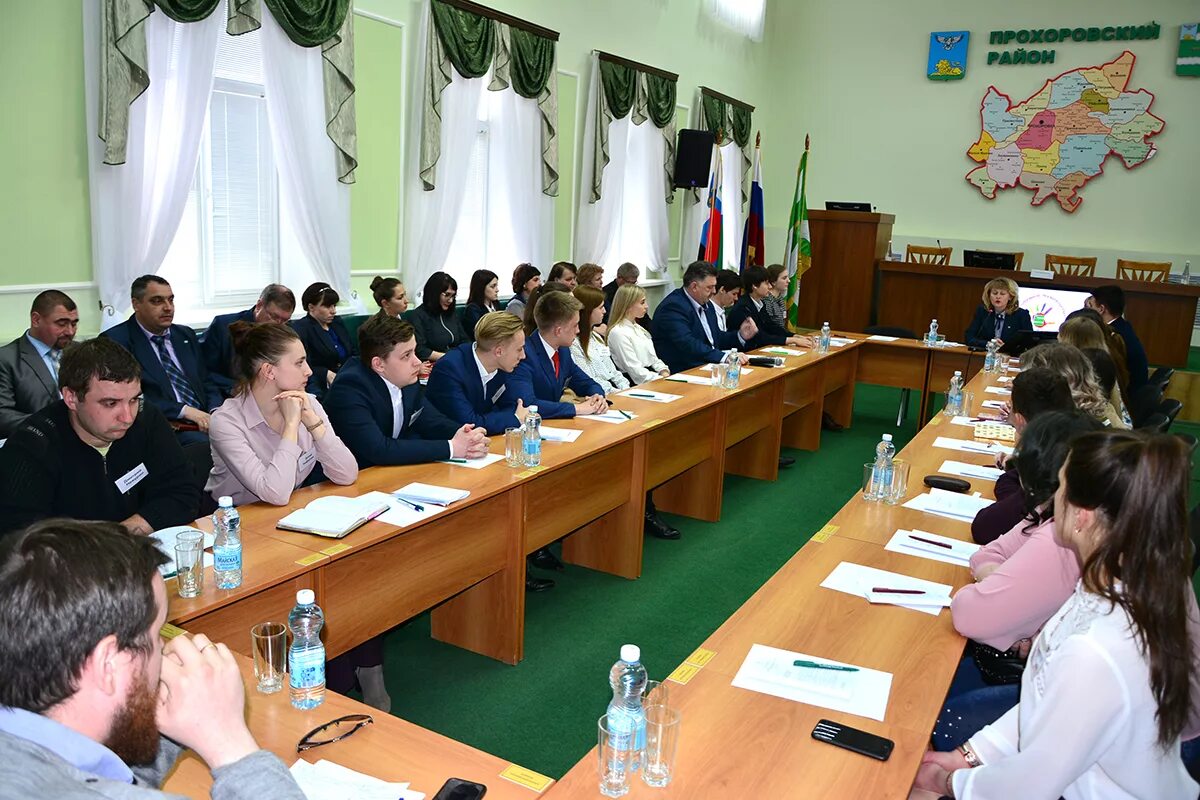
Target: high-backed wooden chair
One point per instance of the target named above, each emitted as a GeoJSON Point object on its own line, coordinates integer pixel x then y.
{"type": "Point", "coordinates": [1153, 271]}
{"type": "Point", "coordinates": [1070, 265]}
{"type": "Point", "coordinates": [1017, 259]}
{"type": "Point", "coordinates": [938, 256]}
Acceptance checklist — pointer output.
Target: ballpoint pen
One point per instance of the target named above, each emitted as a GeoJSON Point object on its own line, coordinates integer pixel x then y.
{"type": "Point", "coordinates": [457, 460]}
{"type": "Point", "coordinates": [819, 665]}
{"type": "Point", "coordinates": [410, 503]}
{"type": "Point", "coordinates": [931, 541]}
{"type": "Point", "coordinates": [883, 590]}
{"type": "Point", "coordinates": [624, 414]}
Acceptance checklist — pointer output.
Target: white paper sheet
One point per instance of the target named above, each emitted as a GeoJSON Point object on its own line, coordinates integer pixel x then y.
{"type": "Point", "coordinates": [401, 514]}
{"type": "Point", "coordinates": [998, 390]}
{"type": "Point", "coordinates": [1012, 369]}
{"type": "Point", "coordinates": [970, 470]}
{"type": "Point", "coordinates": [783, 351]}
{"type": "Point", "coordinates": [771, 671]}
{"type": "Point", "coordinates": [877, 338]}
{"type": "Point", "coordinates": [551, 434]}
{"type": "Point", "coordinates": [996, 404]}
{"type": "Point", "coordinates": [839, 342]}
{"type": "Point", "coordinates": [971, 422]}
{"type": "Point", "coordinates": [1004, 379]}
{"type": "Point", "coordinates": [638, 393]}
{"type": "Point", "coordinates": [698, 380]}
{"type": "Point", "coordinates": [423, 493]}
{"type": "Point", "coordinates": [477, 463]}
{"type": "Point", "coordinates": [859, 580]}
{"type": "Point", "coordinates": [972, 446]}
{"type": "Point", "coordinates": [166, 543]}
{"type": "Point", "coordinates": [610, 416]}
{"type": "Point", "coordinates": [959, 553]}
{"type": "Point", "coordinates": [326, 780]}
{"type": "Point", "coordinates": [953, 505]}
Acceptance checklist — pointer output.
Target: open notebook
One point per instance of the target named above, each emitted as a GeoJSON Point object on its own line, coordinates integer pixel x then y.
{"type": "Point", "coordinates": [333, 516]}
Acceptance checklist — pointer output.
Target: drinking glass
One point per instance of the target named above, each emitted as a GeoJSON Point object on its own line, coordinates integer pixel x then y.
{"type": "Point", "coordinates": [189, 568]}
{"type": "Point", "coordinates": [716, 373]}
{"type": "Point", "coordinates": [941, 340]}
{"type": "Point", "coordinates": [514, 447]}
{"type": "Point", "coordinates": [662, 742]}
{"type": "Point", "coordinates": [268, 641]}
{"type": "Point", "coordinates": [616, 755]}
{"type": "Point", "coordinates": [655, 694]}
{"type": "Point", "coordinates": [869, 490]}
{"type": "Point", "coordinates": [899, 487]}
{"type": "Point", "coordinates": [190, 537]}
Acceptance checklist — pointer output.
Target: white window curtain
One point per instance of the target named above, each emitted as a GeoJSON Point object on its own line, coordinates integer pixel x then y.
{"type": "Point", "coordinates": [517, 224]}
{"type": "Point", "coordinates": [744, 16]}
{"type": "Point", "coordinates": [733, 217]}
{"type": "Point", "coordinates": [629, 221]}
{"type": "Point", "coordinates": [136, 207]}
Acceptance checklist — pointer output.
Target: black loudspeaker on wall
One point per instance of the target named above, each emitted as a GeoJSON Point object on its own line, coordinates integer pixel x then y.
{"type": "Point", "coordinates": [693, 157]}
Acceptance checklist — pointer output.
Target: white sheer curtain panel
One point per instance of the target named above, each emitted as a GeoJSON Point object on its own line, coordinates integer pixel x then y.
{"type": "Point", "coordinates": [137, 206]}
{"type": "Point", "coordinates": [520, 226]}
{"type": "Point", "coordinates": [733, 216]}
{"type": "Point", "coordinates": [314, 205]}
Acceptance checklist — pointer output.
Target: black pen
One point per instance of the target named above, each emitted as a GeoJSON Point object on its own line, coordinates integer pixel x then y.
{"type": "Point", "coordinates": [410, 503]}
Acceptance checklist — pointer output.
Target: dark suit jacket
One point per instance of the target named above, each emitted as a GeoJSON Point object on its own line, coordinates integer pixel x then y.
{"type": "Point", "coordinates": [156, 386]}
{"type": "Point", "coordinates": [218, 349]}
{"type": "Point", "coordinates": [534, 381]}
{"type": "Point", "coordinates": [983, 326]}
{"type": "Point", "coordinates": [610, 293]}
{"type": "Point", "coordinates": [26, 385]}
{"type": "Point", "coordinates": [360, 410]}
{"type": "Point", "coordinates": [679, 337]}
{"type": "Point", "coordinates": [769, 332]}
{"type": "Point", "coordinates": [456, 391]}
{"type": "Point", "coordinates": [1135, 354]}
{"type": "Point", "coordinates": [321, 355]}
{"type": "Point", "coordinates": [471, 314]}
{"type": "Point", "coordinates": [440, 332]}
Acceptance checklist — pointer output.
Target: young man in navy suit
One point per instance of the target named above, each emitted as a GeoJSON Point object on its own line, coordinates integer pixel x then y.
{"type": "Point", "coordinates": [1109, 302]}
{"type": "Point", "coordinates": [174, 377]}
{"type": "Point", "coordinates": [275, 304]}
{"type": "Point", "coordinates": [548, 369]}
{"type": "Point", "coordinates": [376, 406]}
{"type": "Point", "coordinates": [468, 384]}
{"type": "Point", "coordinates": [686, 333]}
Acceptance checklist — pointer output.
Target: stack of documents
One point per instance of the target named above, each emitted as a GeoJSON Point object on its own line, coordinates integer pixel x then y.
{"type": "Point", "coordinates": [852, 689]}
{"type": "Point", "coordinates": [426, 494]}
{"type": "Point", "coordinates": [971, 446]}
{"type": "Point", "coordinates": [326, 780]}
{"type": "Point", "coordinates": [639, 393]}
{"type": "Point", "coordinates": [932, 546]}
{"type": "Point", "coordinates": [962, 507]}
{"type": "Point", "coordinates": [906, 591]}
{"type": "Point", "coordinates": [334, 516]}
{"type": "Point", "coordinates": [550, 434]}
{"type": "Point", "coordinates": [166, 543]}
{"type": "Point", "coordinates": [970, 470]}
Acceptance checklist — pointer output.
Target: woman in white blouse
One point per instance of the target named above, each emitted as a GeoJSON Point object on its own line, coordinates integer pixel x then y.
{"type": "Point", "coordinates": [630, 343]}
{"type": "Point", "coordinates": [589, 350]}
{"type": "Point", "coordinates": [1106, 696]}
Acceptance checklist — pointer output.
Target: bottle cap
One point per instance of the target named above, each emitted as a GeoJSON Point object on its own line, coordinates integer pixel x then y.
{"type": "Point", "coordinates": [631, 653]}
{"type": "Point", "coordinates": [887, 437]}
{"type": "Point", "coordinates": [935, 319]}
{"type": "Point", "coordinates": [533, 408]}
{"type": "Point", "coordinates": [225, 501]}
{"type": "Point", "coordinates": [958, 373]}
{"type": "Point", "coordinates": [826, 323]}
{"type": "Point", "coordinates": [306, 597]}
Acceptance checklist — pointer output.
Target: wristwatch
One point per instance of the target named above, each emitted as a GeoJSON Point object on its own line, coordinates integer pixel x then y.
{"type": "Point", "coordinates": [969, 754]}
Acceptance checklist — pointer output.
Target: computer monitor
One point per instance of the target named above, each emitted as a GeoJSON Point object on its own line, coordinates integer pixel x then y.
{"type": "Point", "coordinates": [1048, 308]}
{"type": "Point", "coordinates": [836, 205]}
{"type": "Point", "coordinates": [988, 259]}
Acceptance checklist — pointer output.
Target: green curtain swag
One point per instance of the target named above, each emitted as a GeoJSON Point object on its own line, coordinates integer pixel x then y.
{"type": "Point", "coordinates": [626, 90]}
{"type": "Point", "coordinates": [187, 10]}
{"type": "Point", "coordinates": [728, 120]}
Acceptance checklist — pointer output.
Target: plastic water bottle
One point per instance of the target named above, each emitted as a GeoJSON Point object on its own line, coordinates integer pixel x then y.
{"type": "Point", "coordinates": [227, 545]}
{"type": "Point", "coordinates": [732, 374]}
{"type": "Point", "coordinates": [306, 657]}
{"type": "Point", "coordinates": [931, 337]}
{"type": "Point", "coordinates": [954, 396]}
{"type": "Point", "coordinates": [990, 361]}
{"type": "Point", "coordinates": [826, 336]}
{"type": "Point", "coordinates": [533, 438]}
{"type": "Point", "coordinates": [881, 473]}
{"type": "Point", "coordinates": [625, 714]}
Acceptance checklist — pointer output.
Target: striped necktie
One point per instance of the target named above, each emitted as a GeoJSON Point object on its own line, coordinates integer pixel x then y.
{"type": "Point", "coordinates": [56, 360]}
{"type": "Point", "coordinates": [179, 381]}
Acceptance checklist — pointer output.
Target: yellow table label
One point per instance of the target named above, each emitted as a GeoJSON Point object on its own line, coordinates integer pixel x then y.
{"type": "Point", "coordinates": [935, 421]}
{"type": "Point", "coordinates": [830, 529]}
{"type": "Point", "coordinates": [308, 561]}
{"type": "Point", "coordinates": [652, 423]}
{"type": "Point", "coordinates": [169, 631]}
{"type": "Point", "coordinates": [683, 673]}
{"type": "Point", "coordinates": [335, 549]}
{"type": "Point", "coordinates": [820, 538]}
{"type": "Point", "coordinates": [529, 473]}
{"type": "Point", "coordinates": [526, 777]}
{"type": "Point", "coordinates": [700, 658]}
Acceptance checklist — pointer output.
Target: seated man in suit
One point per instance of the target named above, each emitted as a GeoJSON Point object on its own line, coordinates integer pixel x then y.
{"type": "Point", "coordinates": [29, 363]}
{"type": "Point", "coordinates": [686, 333]}
{"type": "Point", "coordinates": [757, 286]}
{"type": "Point", "coordinates": [468, 382]}
{"type": "Point", "coordinates": [376, 406]}
{"type": "Point", "coordinates": [729, 289]}
{"type": "Point", "coordinates": [627, 275]}
{"type": "Point", "coordinates": [548, 369]}
{"type": "Point", "coordinates": [98, 453]}
{"type": "Point", "coordinates": [1109, 303]}
{"type": "Point", "coordinates": [275, 304]}
{"type": "Point", "coordinates": [174, 378]}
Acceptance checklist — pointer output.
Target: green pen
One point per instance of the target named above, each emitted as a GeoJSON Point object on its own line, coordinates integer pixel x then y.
{"type": "Point", "coordinates": [637, 394]}
{"type": "Point", "coordinates": [625, 415]}
{"type": "Point", "coordinates": [818, 665]}
{"type": "Point", "coordinates": [457, 460]}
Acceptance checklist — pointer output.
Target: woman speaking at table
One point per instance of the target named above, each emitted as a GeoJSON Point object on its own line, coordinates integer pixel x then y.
{"type": "Point", "coordinates": [999, 316]}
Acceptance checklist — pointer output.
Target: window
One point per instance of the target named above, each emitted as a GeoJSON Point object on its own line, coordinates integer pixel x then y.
{"type": "Point", "coordinates": [743, 16]}
{"type": "Point", "coordinates": [227, 245]}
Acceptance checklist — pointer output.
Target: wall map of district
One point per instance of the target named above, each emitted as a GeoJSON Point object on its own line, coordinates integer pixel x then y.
{"type": "Point", "coordinates": [1057, 140]}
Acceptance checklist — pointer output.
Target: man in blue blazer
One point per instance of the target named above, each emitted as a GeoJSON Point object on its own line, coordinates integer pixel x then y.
{"type": "Point", "coordinates": [275, 304]}
{"type": "Point", "coordinates": [1109, 302]}
{"type": "Point", "coordinates": [548, 368]}
{"type": "Point", "coordinates": [174, 377]}
{"type": "Point", "coordinates": [468, 384]}
{"type": "Point", "coordinates": [686, 333]}
{"type": "Point", "coordinates": [376, 407]}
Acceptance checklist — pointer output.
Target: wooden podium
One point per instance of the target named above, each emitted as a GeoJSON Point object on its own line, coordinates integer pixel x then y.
{"type": "Point", "coordinates": [839, 286]}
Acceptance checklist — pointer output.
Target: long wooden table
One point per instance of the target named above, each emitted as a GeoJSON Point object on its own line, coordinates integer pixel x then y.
{"type": "Point", "coordinates": [735, 742]}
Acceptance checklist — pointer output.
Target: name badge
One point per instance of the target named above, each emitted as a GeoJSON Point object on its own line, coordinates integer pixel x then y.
{"type": "Point", "coordinates": [307, 458]}
{"type": "Point", "coordinates": [499, 392]}
{"type": "Point", "coordinates": [413, 419]}
{"type": "Point", "coordinates": [132, 478]}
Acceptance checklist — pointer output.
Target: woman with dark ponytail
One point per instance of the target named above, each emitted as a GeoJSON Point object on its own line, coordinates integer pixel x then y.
{"type": "Point", "coordinates": [1107, 694]}
{"type": "Point", "coordinates": [390, 295]}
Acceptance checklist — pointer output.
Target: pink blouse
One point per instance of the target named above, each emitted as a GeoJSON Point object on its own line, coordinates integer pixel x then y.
{"type": "Point", "coordinates": [252, 463]}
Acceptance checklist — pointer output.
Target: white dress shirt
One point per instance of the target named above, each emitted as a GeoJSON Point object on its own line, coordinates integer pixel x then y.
{"type": "Point", "coordinates": [720, 315]}
{"type": "Point", "coordinates": [484, 375]}
{"type": "Point", "coordinates": [398, 413]}
{"type": "Point", "coordinates": [47, 354]}
{"type": "Point", "coordinates": [699, 309]}
{"type": "Point", "coordinates": [633, 351]}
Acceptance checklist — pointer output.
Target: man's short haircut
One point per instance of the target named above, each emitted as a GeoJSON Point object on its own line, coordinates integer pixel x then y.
{"type": "Point", "coordinates": [1111, 297]}
{"type": "Point", "coordinates": [556, 308]}
{"type": "Point", "coordinates": [278, 295]}
{"type": "Point", "coordinates": [628, 272]}
{"type": "Point", "coordinates": [727, 280]}
{"type": "Point", "coordinates": [379, 335]}
{"type": "Point", "coordinates": [50, 299]}
{"type": "Point", "coordinates": [100, 358]}
{"type": "Point", "coordinates": [137, 289]}
{"type": "Point", "coordinates": [496, 327]}
{"type": "Point", "coordinates": [752, 277]}
{"type": "Point", "coordinates": [66, 586]}
{"type": "Point", "coordinates": [698, 271]}
{"type": "Point", "coordinates": [1038, 390]}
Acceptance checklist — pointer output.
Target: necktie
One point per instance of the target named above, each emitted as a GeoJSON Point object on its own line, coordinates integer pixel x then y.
{"type": "Point", "coordinates": [56, 359]}
{"type": "Point", "coordinates": [999, 325]}
{"type": "Point", "coordinates": [179, 381]}
{"type": "Point", "coordinates": [554, 358]}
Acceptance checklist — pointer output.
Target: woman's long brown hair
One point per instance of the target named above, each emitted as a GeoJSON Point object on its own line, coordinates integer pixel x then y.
{"type": "Point", "coordinates": [1138, 486]}
{"type": "Point", "coordinates": [591, 297]}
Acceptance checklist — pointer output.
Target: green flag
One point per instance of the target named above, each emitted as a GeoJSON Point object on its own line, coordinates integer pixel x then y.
{"type": "Point", "coordinates": [799, 250]}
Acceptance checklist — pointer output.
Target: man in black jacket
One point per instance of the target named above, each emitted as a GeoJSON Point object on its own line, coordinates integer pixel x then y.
{"type": "Point", "coordinates": [97, 454]}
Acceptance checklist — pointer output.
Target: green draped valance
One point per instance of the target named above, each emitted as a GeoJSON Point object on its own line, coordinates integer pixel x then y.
{"type": "Point", "coordinates": [328, 24]}
{"type": "Point", "coordinates": [728, 119]}
{"type": "Point", "coordinates": [470, 43]}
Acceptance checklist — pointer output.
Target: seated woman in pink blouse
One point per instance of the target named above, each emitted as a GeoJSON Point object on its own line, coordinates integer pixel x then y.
{"type": "Point", "coordinates": [269, 437]}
